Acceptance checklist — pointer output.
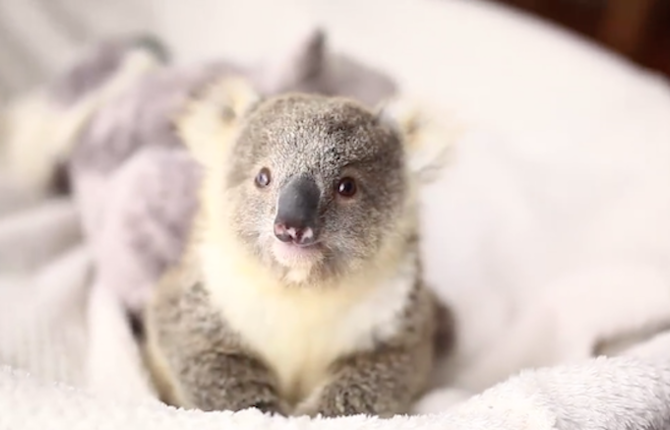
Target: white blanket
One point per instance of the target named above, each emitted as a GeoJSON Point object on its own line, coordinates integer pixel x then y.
{"type": "Point", "coordinates": [613, 394]}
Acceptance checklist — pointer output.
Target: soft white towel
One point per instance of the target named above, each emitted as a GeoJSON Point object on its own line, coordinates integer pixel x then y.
{"type": "Point", "coordinates": [611, 394]}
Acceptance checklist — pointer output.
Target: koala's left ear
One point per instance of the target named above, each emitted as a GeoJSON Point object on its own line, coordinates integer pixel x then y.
{"type": "Point", "coordinates": [209, 123]}
{"type": "Point", "coordinates": [427, 136]}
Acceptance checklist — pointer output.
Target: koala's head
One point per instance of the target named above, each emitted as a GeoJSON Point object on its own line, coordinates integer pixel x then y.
{"type": "Point", "coordinates": [320, 183]}
{"type": "Point", "coordinates": [314, 186]}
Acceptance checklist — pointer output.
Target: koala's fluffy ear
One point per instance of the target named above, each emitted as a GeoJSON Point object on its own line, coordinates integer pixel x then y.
{"type": "Point", "coordinates": [209, 123]}
{"type": "Point", "coordinates": [427, 136]}
{"type": "Point", "coordinates": [301, 61]}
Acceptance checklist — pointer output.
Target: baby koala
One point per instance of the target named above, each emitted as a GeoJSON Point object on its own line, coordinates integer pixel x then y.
{"type": "Point", "coordinates": [301, 290]}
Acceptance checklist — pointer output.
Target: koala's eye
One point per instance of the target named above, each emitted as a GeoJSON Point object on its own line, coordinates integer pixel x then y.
{"type": "Point", "coordinates": [263, 178]}
{"type": "Point", "coordinates": [347, 187]}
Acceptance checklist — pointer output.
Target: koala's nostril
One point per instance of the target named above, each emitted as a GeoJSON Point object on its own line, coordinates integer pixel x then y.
{"type": "Point", "coordinates": [304, 236]}
{"type": "Point", "coordinates": [282, 233]}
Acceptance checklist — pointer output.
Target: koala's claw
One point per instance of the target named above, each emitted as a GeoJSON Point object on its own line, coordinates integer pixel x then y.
{"type": "Point", "coordinates": [271, 407]}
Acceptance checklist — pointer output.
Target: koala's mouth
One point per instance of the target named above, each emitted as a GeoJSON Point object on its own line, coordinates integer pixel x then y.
{"type": "Point", "coordinates": [292, 254]}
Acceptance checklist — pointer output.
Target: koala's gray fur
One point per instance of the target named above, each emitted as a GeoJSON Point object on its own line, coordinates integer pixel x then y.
{"type": "Point", "coordinates": [197, 361]}
{"type": "Point", "coordinates": [205, 354]}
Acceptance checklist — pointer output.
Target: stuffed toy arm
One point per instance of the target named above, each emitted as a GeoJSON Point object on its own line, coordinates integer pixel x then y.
{"type": "Point", "coordinates": [604, 393]}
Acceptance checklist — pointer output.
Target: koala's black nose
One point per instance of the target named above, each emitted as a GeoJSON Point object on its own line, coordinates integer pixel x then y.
{"type": "Point", "coordinates": [297, 211]}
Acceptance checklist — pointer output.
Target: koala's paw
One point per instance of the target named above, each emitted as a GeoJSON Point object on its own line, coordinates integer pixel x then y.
{"type": "Point", "coordinates": [272, 407]}
{"type": "Point", "coordinates": [339, 400]}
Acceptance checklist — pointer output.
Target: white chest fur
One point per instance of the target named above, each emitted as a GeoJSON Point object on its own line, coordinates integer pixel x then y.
{"type": "Point", "coordinates": [299, 332]}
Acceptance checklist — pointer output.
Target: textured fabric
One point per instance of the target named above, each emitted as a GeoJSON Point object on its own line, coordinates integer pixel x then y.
{"type": "Point", "coordinates": [31, 237]}
{"type": "Point", "coordinates": [611, 394]}
{"type": "Point", "coordinates": [42, 327]}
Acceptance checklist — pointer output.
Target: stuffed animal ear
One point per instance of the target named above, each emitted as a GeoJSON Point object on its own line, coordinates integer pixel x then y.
{"type": "Point", "coordinates": [211, 119]}
{"type": "Point", "coordinates": [301, 61]}
{"type": "Point", "coordinates": [427, 136]}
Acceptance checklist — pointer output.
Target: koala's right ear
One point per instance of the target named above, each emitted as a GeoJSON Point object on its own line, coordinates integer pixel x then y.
{"type": "Point", "coordinates": [209, 124]}
{"type": "Point", "coordinates": [428, 138]}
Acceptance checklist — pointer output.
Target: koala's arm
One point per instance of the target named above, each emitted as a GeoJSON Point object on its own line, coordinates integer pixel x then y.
{"type": "Point", "coordinates": [384, 381]}
{"type": "Point", "coordinates": [195, 360]}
